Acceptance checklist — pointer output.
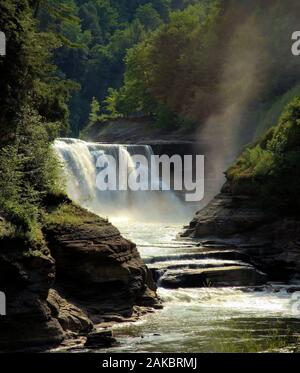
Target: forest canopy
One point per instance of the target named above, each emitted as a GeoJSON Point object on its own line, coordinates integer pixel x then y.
{"type": "Point", "coordinates": [182, 63]}
{"type": "Point", "coordinates": [176, 61]}
{"type": "Point", "coordinates": [95, 36]}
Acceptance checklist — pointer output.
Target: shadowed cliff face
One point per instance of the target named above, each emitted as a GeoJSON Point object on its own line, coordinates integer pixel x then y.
{"type": "Point", "coordinates": [26, 278]}
{"type": "Point", "coordinates": [271, 241]}
{"type": "Point", "coordinates": [96, 267]}
{"type": "Point", "coordinates": [85, 270]}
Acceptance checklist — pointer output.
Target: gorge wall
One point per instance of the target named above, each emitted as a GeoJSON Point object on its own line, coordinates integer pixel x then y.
{"type": "Point", "coordinates": [83, 272]}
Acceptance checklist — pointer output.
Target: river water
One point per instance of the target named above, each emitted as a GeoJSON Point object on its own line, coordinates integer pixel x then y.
{"type": "Point", "coordinates": [205, 319]}
{"type": "Point", "coordinates": [192, 320]}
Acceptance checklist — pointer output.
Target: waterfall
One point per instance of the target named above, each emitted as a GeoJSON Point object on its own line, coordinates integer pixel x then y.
{"type": "Point", "coordinates": [80, 167]}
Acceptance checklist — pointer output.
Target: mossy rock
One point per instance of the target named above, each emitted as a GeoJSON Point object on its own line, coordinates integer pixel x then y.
{"type": "Point", "coordinates": [68, 214]}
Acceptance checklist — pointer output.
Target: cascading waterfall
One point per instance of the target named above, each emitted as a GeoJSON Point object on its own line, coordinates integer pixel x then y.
{"type": "Point", "coordinates": [193, 319]}
{"type": "Point", "coordinates": [80, 164]}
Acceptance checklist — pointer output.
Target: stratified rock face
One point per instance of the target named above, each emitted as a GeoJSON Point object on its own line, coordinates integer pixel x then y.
{"type": "Point", "coordinates": [97, 269]}
{"type": "Point", "coordinates": [226, 215]}
{"type": "Point", "coordinates": [217, 277]}
{"type": "Point", "coordinates": [272, 242]}
{"type": "Point", "coordinates": [83, 272]}
{"type": "Point", "coordinates": [26, 277]}
{"type": "Point", "coordinates": [70, 317]}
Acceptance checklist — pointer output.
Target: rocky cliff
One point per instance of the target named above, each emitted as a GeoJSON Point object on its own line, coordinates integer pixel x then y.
{"type": "Point", "coordinates": [82, 272]}
{"type": "Point", "coordinates": [136, 131]}
{"type": "Point", "coordinates": [237, 222]}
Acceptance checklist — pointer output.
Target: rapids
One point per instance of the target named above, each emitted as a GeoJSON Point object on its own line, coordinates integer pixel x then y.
{"type": "Point", "coordinates": [204, 319]}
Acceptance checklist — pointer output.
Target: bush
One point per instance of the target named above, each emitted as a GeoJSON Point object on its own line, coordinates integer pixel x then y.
{"type": "Point", "coordinates": [270, 168]}
{"type": "Point", "coordinates": [29, 171]}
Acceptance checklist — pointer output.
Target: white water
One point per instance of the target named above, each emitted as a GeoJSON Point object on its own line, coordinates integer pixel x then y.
{"type": "Point", "coordinates": [193, 320]}
{"type": "Point", "coordinates": [205, 319]}
{"type": "Point", "coordinates": [80, 160]}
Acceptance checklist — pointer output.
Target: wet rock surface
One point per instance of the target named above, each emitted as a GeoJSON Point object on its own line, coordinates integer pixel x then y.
{"type": "Point", "coordinates": [271, 242]}
{"type": "Point", "coordinates": [100, 339]}
{"type": "Point", "coordinates": [137, 131]}
{"type": "Point", "coordinates": [213, 277]}
{"type": "Point", "coordinates": [98, 270]}
{"type": "Point", "coordinates": [25, 278]}
{"type": "Point", "coordinates": [70, 317]}
{"type": "Point", "coordinates": [83, 272]}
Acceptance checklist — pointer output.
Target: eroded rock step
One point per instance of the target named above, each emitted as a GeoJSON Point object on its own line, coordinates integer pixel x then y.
{"type": "Point", "coordinates": [213, 254]}
{"type": "Point", "coordinates": [237, 275]}
{"type": "Point", "coordinates": [217, 265]}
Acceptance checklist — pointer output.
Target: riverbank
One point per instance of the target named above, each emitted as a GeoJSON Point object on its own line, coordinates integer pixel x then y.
{"type": "Point", "coordinates": [81, 273]}
{"type": "Point", "coordinates": [270, 240]}
{"type": "Point", "coordinates": [204, 318]}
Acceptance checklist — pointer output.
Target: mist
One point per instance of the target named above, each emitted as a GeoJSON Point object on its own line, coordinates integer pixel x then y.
{"type": "Point", "coordinates": [246, 79]}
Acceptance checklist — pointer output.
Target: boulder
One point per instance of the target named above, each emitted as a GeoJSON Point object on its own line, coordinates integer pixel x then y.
{"type": "Point", "coordinates": [70, 317]}
{"type": "Point", "coordinates": [213, 277]}
{"type": "Point", "coordinates": [100, 339]}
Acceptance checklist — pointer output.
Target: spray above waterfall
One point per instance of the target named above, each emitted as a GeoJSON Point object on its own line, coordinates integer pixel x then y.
{"type": "Point", "coordinates": [92, 184]}
{"type": "Point", "coordinates": [242, 80]}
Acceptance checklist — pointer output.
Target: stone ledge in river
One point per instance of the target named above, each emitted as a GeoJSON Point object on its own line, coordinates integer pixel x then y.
{"type": "Point", "coordinates": [97, 269]}
{"type": "Point", "coordinates": [213, 277]}
{"type": "Point", "coordinates": [271, 242]}
{"type": "Point", "coordinates": [93, 269]}
{"type": "Point", "coordinates": [100, 339]}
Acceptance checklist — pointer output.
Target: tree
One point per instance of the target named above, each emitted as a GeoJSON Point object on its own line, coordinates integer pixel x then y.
{"type": "Point", "coordinates": [154, 85]}
{"type": "Point", "coordinates": [33, 104]}
{"type": "Point", "coordinates": [148, 16]}
{"type": "Point", "coordinates": [94, 111]}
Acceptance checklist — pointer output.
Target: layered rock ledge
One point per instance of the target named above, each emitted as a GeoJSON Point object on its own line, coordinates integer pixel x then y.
{"type": "Point", "coordinates": [81, 273]}
{"type": "Point", "coordinates": [270, 241]}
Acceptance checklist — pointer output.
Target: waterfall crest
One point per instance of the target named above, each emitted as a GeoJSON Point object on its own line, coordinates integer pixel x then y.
{"type": "Point", "coordinates": [80, 166]}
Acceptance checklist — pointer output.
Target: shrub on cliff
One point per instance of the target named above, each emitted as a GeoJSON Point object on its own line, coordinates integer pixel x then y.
{"type": "Point", "coordinates": [32, 112]}
{"type": "Point", "coordinates": [270, 168]}
{"type": "Point", "coordinates": [29, 171]}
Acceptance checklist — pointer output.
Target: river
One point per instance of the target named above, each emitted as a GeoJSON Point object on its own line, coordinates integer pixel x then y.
{"type": "Point", "coordinates": [203, 319]}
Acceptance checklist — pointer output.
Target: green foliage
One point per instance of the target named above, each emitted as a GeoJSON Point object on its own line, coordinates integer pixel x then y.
{"type": "Point", "coordinates": [269, 169]}
{"type": "Point", "coordinates": [111, 103]}
{"type": "Point", "coordinates": [271, 112]}
{"type": "Point", "coordinates": [33, 111]}
{"type": "Point", "coordinates": [286, 137]}
{"type": "Point", "coordinates": [93, 38]}
{"type": "Point", "coordinates": [209, 55]}
{"type": "Point", "coordinates": [28, 69]}
{"type": "Point", "coordinates": [94, 111]}
{"type": "Point", "coordinates": [148, 16]}
{"type": "Point", "coordinates": [29, 171]}
{"type": "Point", "coordinates": [69, 214]}
{"type": "Point", "coordinates": [153, 85]}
